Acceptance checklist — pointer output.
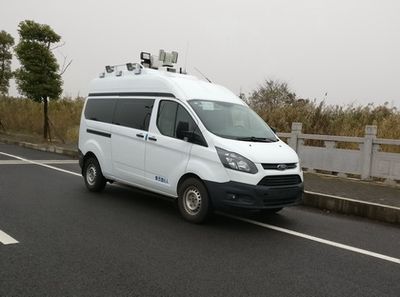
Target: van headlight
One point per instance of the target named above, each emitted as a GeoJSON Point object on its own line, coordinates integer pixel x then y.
{"type": "Point", "coordinates": [235, 161]}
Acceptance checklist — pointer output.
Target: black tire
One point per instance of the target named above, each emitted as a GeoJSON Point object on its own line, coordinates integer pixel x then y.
{"type": "Point", "coordinates": [92, 175]}
{"type": "Point", "coordinates": [193, 201]}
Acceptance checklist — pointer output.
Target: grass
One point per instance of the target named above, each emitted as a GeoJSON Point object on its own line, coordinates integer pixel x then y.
{"type": "Point", "coordinates": [335, 120]}
{"type": "Point", "coordinates": [23, 116]}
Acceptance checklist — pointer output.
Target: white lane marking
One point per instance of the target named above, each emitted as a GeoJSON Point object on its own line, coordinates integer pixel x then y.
{"type": "Point", "coordinates": [6, 239]}
{"type": "Point", "coordinates": [21, 162]}
{"type": "Point", "coordinates": [272, 227]}
{"type": "Point", "coordinates": [41, 164]}
{"type": "Point", "coordinates": [353, 200]}
{"type": "Point", "coordinates": [313, 238]}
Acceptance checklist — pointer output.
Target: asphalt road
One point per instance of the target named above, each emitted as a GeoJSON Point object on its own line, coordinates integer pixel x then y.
{"type": "Point", "coordinates": [125, 242]}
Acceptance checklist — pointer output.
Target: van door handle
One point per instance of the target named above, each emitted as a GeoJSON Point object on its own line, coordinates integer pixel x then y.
{"type": "Point", "coordinates": [140, 135]}
{"type": "Point", "coordinates": [152, 138]}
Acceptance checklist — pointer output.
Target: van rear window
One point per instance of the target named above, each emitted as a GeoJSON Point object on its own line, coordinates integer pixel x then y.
{"type": "Point", "coordinates": [100, 110]}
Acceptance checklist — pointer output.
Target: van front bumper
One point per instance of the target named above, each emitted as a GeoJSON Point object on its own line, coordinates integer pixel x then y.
{"type": "Point", "coordinates": [240, 195]}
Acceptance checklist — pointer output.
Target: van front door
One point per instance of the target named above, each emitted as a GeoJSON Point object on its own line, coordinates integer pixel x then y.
{"type": "Point", "coordinates": [129, 132]}
{"type": "Point", "coordinates": [167, 153]}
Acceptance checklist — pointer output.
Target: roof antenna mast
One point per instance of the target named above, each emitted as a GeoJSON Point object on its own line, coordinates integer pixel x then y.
{"type": "Point", "coordinates": [202, 74]}
{"type": "Point", "coordinates": [186, 55]}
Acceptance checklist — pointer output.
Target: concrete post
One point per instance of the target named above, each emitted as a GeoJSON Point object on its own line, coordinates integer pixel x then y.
{"type": "Point", "coordinates": [370, 135]}
{"type": "Point", "coordinates": [296, 131]}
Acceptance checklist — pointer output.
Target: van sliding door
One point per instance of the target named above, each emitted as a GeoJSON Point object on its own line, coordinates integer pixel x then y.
{"type": "Point", "coordinates": [129, 131]}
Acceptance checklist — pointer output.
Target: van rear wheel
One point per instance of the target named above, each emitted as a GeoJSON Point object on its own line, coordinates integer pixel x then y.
{"type": "Point", "coordinates": [94, 179]}
{"type": "Point", "coordinates": [193, 201]}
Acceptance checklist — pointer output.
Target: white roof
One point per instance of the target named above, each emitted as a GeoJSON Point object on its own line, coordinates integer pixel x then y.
{"type": "Point", "coordinates": [183, 87]}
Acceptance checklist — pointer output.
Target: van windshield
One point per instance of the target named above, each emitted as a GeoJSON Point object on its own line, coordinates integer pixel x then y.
{"type": "Point", "coordinates": [233, 121]}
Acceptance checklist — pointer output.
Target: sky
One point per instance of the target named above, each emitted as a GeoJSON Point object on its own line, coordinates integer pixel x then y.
{"type": "Point", "coordinates": [342, 51]}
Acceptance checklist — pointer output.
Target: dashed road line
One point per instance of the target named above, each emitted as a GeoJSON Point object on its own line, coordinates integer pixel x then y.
{"type": "Point", "coordinates": [41, 164]}
{"type": "Point", "coordinates": [314, 238]}
{"type": "Point", "coordinates": [7, 239]}
{"type": "Point", "coordinates": [23, 162]}
{"type": "Point", "coordinates": [268, 226]}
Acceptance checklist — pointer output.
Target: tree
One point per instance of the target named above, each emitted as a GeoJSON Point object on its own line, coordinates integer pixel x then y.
{"type": "Point", "coordinates": [38, 78]}
{"type": "Point", "coordinates": [6, 42]}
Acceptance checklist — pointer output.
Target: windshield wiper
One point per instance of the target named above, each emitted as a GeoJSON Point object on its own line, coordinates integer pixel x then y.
{"type": "Point", "coordinates": [256, 139]}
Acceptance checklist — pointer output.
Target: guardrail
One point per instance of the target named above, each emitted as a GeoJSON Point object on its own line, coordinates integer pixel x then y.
{"type": "Point", "coordinates": [367, 160]}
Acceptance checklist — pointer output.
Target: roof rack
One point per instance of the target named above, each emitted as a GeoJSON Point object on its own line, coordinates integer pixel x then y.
{"type": "Point", "coordinates": [164, 61]}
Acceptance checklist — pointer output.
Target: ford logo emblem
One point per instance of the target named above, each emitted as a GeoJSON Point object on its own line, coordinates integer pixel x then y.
{"type": "Point", "coordinates": [281, 167]}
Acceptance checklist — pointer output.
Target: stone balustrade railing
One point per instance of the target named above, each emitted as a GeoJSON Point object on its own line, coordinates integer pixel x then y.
{"type": "Point", "coordinates": [367, 160]}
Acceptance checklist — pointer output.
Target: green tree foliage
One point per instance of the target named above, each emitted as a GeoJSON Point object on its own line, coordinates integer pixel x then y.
{"type": "Point", "coordinates": [38, 78]}
{"type": "Point", "coordinates": [6, 42]}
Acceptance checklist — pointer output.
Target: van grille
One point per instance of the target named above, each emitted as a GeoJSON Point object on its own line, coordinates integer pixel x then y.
{"type": "Point", "coordinates": [280, 180]}
{"type": "Point", "coordinates": [279, 166]}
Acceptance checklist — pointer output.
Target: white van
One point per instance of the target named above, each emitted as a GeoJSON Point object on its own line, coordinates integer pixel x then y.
{"type": "Point", "coordinates": [182, 137]}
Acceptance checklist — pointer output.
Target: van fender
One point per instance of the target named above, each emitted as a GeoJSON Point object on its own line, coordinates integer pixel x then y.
{"type": "Point", "coordinates": [93, 147]}
{"type": "Point", "coordinates": [207, 171]}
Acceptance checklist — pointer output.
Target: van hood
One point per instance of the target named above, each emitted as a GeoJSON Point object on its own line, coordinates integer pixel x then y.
{"type": "Point", "coordinates": [259, 152]}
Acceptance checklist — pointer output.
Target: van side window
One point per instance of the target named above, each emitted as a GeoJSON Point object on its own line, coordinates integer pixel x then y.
{"type": "Point", "coordinates": [133, 113]}
{"type": "Point", "coordinates": [173, 120]}
{"type": "Point", "coordinates": [166, 118]}
{"type": "Point", "coordinates": [100, 110]}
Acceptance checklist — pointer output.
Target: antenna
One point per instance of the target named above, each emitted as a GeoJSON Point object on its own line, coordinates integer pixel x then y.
{"type": "Point", "coordinates": [186, 54]}
{"type": "Point", "coordinates": [202, 74]}
{"type": "Point", "coordinates": [241, 94]}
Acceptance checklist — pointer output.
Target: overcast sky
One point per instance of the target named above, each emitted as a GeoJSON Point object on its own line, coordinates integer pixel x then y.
{"type": "Point", "coordinates": [349, 49]}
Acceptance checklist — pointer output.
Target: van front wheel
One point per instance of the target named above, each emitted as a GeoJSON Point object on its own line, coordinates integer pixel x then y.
{"type": "Point", "coordinates": [93, 176]}
{"type": "Point", "coordinates": [193, 201]}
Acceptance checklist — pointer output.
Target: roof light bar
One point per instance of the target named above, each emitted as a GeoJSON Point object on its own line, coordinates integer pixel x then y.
{"type": "Point", "coordinates": [109, 69]}
{"type": "Point", "coordinates": [130, 66]}
{"type": "Point", "coordinates": [146, 59]}
{"type": "Point", "coordinates": [168, 58]}
{"type": "Point", "coordinates": [135, 67]}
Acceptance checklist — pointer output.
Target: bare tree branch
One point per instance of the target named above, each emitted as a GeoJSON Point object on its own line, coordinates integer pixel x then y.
{"type": "Point", "coordinates": [58, 46]}
{"type": "Point", "coordinates": [65, 64]}
{"type": "Point", "coordinates": [66, 67]}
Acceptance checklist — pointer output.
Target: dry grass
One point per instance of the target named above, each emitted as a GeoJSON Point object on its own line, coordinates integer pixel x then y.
{"type": "Point", "coordinates": [335, 120]}
{"type": "Point", "coordinates": [24, 116]}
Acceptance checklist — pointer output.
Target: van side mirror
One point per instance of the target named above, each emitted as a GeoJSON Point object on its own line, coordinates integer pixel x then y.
{"type": "Point", "coordinates": [182, 130]}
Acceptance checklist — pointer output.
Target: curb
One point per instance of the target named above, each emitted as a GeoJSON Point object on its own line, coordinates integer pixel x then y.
{"type": "Point", "coordinates": [45, 148]}
{"type": "Point", "coordinates": [375, 211]}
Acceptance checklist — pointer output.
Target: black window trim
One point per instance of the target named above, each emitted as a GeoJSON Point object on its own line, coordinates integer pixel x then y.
{"type": "Point", "coordinates": [108, 135]}
{"type": "Point", "coordinates": [132, 94]}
